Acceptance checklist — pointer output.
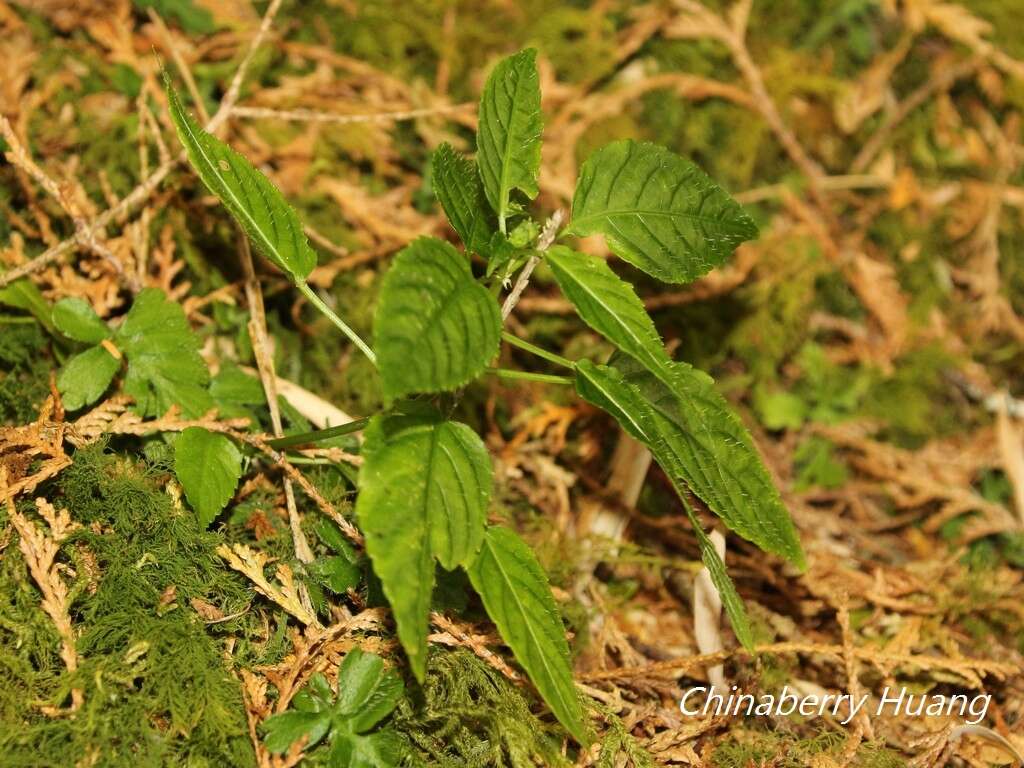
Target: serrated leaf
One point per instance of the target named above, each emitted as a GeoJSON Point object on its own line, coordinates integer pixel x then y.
{"type": "Point", "coordinates": [76, 319]}
{"type": "Point", "coordinates": [515, 592]}
{"type": "Point", "coordinates": [367, 693]}
{"type": "Point", "coordinates": [435, 327]}
{"type": "Point", "coordinates": [461, 193]}
{"type": "Point", "coordinates": [208, 466]}
{"type": "Point", "coordinates": [164, 364]}
{"type": "Point", "coordinates": [731, 600]}
{"type": "Point", "coordinates": [699, 442]}
{"type": "Point", "coordinates": [508, 136]}
{"type": "Point", "coordinates": [86, 376]}
{"type": "Point", "coordinates": [255, 203]}
{"type": "Point", "coordinates": [424, 488]}
{"type": "Point", "coordinates": [658, 211]}
{"type": "Point", "coordinates": [608, 304]}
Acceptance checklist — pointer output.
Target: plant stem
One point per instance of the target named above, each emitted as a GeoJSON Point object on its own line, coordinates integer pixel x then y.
{"type": "Point", "coordinates": [318, 434]}
{"type": "Point", "coordinates": [544, 378]}
{"type": "Point", "coordinates": [551, 357]}
{"type": "Point", "coordinates": [317, 302]}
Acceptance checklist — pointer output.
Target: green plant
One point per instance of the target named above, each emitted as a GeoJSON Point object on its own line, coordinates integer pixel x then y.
{"type": "Point", "coordinates": [426, 480]}
{"type": "Point", "coordinates": [367, 694]}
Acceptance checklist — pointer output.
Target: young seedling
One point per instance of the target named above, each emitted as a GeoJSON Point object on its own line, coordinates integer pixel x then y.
{"type": "Point", "coordinates": [426, 481]}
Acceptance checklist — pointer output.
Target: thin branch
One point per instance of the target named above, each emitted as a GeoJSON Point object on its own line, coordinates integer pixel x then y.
{"type": "Point", "coordinates": [313, 116]}
{"type": "Point", "coordinates": [547, 237]}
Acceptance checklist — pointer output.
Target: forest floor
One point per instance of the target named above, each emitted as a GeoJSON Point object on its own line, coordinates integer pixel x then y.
{"type": "Point", "coordinates": [872, 339]}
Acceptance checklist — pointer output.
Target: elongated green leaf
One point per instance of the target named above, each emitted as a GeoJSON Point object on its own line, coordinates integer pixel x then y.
{"type": "Point", "coordinates": [75, 318]}
{"type": "Point", "coordinates": [436, 328]}
{"type": "Point", "coordinates": [424, 488]}
{"type": "Point", "coordinates": [257, 205]}
{"type": "Point", "coordinates": [458, 187]}
{"type": "Point", "coordinates": [657, 211]}
{"type": "Point", "coordinates": [208, 465]}
{"type": "Point", "coordinates": [508, 137]}
{"type": "Point", "coordinates": [517, 597]}
{"type": "Point", "coordinates": [608, 304]}
{"type": "Point", "coordinates": [699, 442]}
{"type": "Point", "coordinates": [86, 377]}
{"type": "Point", "coordinates": [731, 600]}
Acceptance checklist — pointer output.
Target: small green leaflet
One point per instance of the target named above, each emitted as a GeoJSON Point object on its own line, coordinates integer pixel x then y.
{"type": "Point", "coordinates": [424, 488]}
{"type": "Point", "coordinates": [518, 599]}
{"type": "Point", "coordinates": [657, 211]}
{"type": "Point", "coordinates": [208, 465]}
{"type": "Point", "coordinates": [461, 193]}
{"type": "Point", "coordinates": [608, 304]}
{"type": "Point", "coordinates": [436, 328]}
{"type": "Point", "coordinates": [508, 137]}
{"type": "Point", "coordinates": [86, 376]}
{"type": "Point", "coordinates": [699, 442]}
{"type": "Point", "coordinates": [256, 204]}
{"type": "Point", "coordinates": [75, 318]}
{"type": "Point", "coordinates": [164, 364]}
{"type": "Point", "coordinates": [367, 693]}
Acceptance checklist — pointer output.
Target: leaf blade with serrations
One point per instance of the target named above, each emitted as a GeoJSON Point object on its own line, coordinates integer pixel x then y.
{"type": "Point", "coordinates": [424, 488]}
{"type": "Point", "coordinates": [435, 327]}
{"type": "Point", "coordinates": [657, 211]}
{"type": "Point", "coordinates": [699, 442]}
{"type": "Point", "coordinates": [208, 466]}
{"type": "Point", "coordinates": [517, 597]}
{"type": "Point", "coordinates": [460, 191]}
{"type": "Point", "coordinates": [86, 376]}
{"type": "Point", "coordinates": [256, 204]}
{"type": "Point", "coordinates": [608, 304]}
{"type": "Point", "coordinates": [508, 136]}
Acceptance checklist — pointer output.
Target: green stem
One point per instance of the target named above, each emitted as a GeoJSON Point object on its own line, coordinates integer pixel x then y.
{"type": "Point", "coordinates": [317, 302]}
{"type": "Point", "coordinates": [551, 357]}
{"type": "Point", "coordinates": [544, 378]}
{"type": "Point", "coordinates": [317, 435]}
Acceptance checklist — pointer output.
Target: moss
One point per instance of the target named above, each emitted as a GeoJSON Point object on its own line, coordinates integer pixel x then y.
{"type": "Point", "coordinates": [24, 372]}
{"type": "Point", "coordinates": [468, 715]}
{"type": "Point", "coordinates": [155, 684]}
{"type": "Point", "coordinates": [782, 750]}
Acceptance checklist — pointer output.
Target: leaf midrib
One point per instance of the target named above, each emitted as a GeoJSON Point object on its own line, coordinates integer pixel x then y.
{"type": "Point", "coordinates": [529, 626]}
{"type": "Point", "coordinates": [271, 248]}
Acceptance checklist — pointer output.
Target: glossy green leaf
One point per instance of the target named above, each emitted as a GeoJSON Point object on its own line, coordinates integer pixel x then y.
{"type": "Point", "coordinates": [424, 488]}
{"type": "Point", "coordinates": [86, 376]}
{"type": "Point", "coordinates": [608, 304]}
{"type": "Point", "coordinates": [436, 328]}
{"type": "Point", "coordinates": [208, 466]}
{"type": "Point", "coordinates": [508, 136]}
{"type": "Point", "coordinates": [515, 592]}
{"type": "Point", "coordinates": [461, 193]}
{"type": "Point", "coordinates": [699, 442]}
{"type": "Point", "coordinates": [76, 319]}
{"type": "Point", "coordinates": [164, 364]}
{"type": "Point", "coordinates": [657, 211]}
{"type": "Point", "coordinates": [256, 204]}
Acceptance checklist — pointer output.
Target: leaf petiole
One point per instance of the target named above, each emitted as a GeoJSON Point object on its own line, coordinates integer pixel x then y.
{"type": "Point", "coordinates": [317, 302]}
{"type": "Point", "coordinates": [318, 434]}
{"type": "Point", "coordinates": [551, 357]}
{"type": "Point", "coordinates": [544, 378]}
